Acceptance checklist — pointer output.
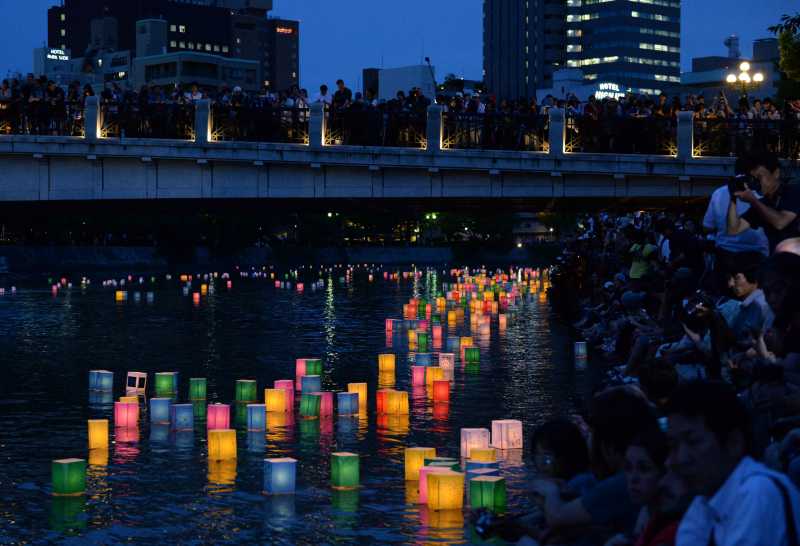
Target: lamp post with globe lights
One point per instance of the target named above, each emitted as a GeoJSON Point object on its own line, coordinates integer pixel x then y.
{"type": "Point", "coordinates": [744, 79]}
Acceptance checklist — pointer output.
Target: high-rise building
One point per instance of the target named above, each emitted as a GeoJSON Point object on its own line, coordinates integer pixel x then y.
{"type": "Point", "coordinates": [633, 44]}
{"type": "Point", "coordinates": [523, 43]}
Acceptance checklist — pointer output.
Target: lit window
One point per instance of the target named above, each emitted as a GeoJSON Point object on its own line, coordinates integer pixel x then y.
{"type": "Point", "coordinates": [63, 32]}
{"type": "Point", "coordinates": [573, 33]}
{"type": "Point", "coordinates": [182, 29]}
{"type": "Point", "coordinates": [208, 47]}
{"type": "Point", "coordinates": [190, 45]}
{"type": "Point", "coordinates": [216, 48]}
{"type": "Point", "coordinates": [173, 43]}
{"type": "Point", "coordinates": [574, 48]}
{"type": "Point", "coordinates": [63, 17]}
{"type": "Point", "coordinates": [99, 62]}
{"type": "Point", "coordinates": [294, 74]}
{"type": "Point", "coordinates": [238, 40]}
{"type": "Point", "coordinates": [183, 45]}
{"type": "Point", "coordinates": [224, 49]}
{"type": "Point", "coordinates": [173, 28]}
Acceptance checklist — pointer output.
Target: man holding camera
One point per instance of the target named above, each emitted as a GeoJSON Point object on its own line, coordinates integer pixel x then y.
{"type": "Point", "coordinates": [776, 212]}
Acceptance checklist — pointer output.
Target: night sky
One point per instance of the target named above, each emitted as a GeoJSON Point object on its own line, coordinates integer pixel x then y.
{"type": "Point", "coordinates": [339, 38]}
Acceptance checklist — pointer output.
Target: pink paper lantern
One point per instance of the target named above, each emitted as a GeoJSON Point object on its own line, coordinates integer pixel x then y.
{"type": "Point", "coordinates": [218, 417]}
{"type": "Point", "coordinates": [418, 376]}
{"type": "Point", "coordinates": [287, 384]}
{"type": "Point", "coordinates": [325, 403]}
{"type": "Point", "coordinates": [126, 414]}
{"type": "Point", "coordinates": [299, 372]}
{"type": "Point", "coordinates": [423, 480]}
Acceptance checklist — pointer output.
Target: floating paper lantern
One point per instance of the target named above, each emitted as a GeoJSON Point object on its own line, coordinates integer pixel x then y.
{"type": "Point", "coordinates": [447, 361]}
{"type": "Point", "coordinates": [219, 417]}
{"type": "Point", "coordinates": [473, 438]}
{"type": "Point", "coordinates": [424, 472]}
{"type": "Point", "coordinates": [466, 341]}
{"type": "Point", "coordinates": [483, 454]}
{"type": "Point", "coordinates": [197, 388]}
{"type": "Point", "coordinates": [436, 330]}
{"type": "Point", "coordinates": [445, 490]}
{"type": "Point", "coordinates": [581, 350]}
{"type": "Point", "coordinates": [275, 400]}
{"type": "Point", "coordinates": [418, 376]}
{"type": "Point", "coordinates": [119, 295]}
{"type": "Point", "coordinates": [472, 464]}
{"type": "Point", "coordinates": [386, 363]}
{"type": "Point", "coordinates": [166, 384]}
{"type": "Point", "coordinates": [288, 385]}
{"type": "Point", "coordinates": [313, 366]}
{"type": "Point", "coordinates": [129, 399]}
{"type": "Point", "coordinates": [246, 390]}
{"type": "Point", "coordinates": [423, 359]}
{"type": "Point", "coordinates": [361, 389]}
{"type": "Point", "coordinates": [68, 477]}
{"type": "Point", "coordinates": [451, 317]}
{"type": "Point", "coordinates": [414, 458]}
{"type": "Point", "coordinates": [181, 416]}
{"type": "Point", "coordinates": [347, 403]}
{"type": "Point", "coordinates": [412, 337]}
{"type": "Point", "coordinates": [502, 321]}
{"type": "Point", "coordinates": [432, 374]}
{"type": "Point", "coordinates": [136, 383]}
{"type": "Point", "coordinates": [441, 390]}
{"type": "Point", "coordinates": [309, 405]}
{"type": "Point", "coordinates": [159, 410]}
{"type": "Point", "coordinates": [126, 415]}
{"type": "Point", "coordinates": [256, 417]}
{"type": "Point", "coordinates": [98, 434]}
{"type": "Point", "coordinates": [98, 457]}
{"type": "Point", "coordinates": [344, 470]}
{"type": "Point", "coordinates": [310, 383]}
{"type": "Point", "coordinates": [488, 492]}
{"type": "Point", "coordinates": [325, 404]}
{"type": "Point", "coordinates": [422, 341]}
{"type": "Point", "coordinates": [453, 343]}
{"type": "Point", "coordinates": [389, 325]}
{"type": "Point", "coordinates": [101, 380]}
{"type": "Point", "coordinates": [381, 398]}
{"type": "Point", "coordinates": [397, 403]}
{"type": "Point", "coordinates": [386, 379]}
{"type": "Point", "coordinates": [507, 434]}
{"type": "Point", "coordinates": [196, 298]}
{"type": "Point", "coordinates": [280, 476]}
{"type": "Point", "coordinates": [472, 355]}
{"type": "Point", "coordinates": [221, 444]}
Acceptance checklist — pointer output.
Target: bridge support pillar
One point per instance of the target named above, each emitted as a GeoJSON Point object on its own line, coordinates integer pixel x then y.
{"type": "Point", "coordinates": [317, 126]}
{"type": "Point", "coordinates": [434, 129]}
{"type": "Point", "coordinates": [557, 133]}
{"type": "Point", "coordinates": [685, 135]}
{"type": "Point", "coordinates": [202, 122]}
{"type": "Point", "coordinates": [92, 119]}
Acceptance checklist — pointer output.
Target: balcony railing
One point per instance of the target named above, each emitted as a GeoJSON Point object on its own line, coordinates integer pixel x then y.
{"type": "Point", "coordinates": [165, 121]}
{"type": "Point", "coordinates": [260, 124]}
{"type": "Point", "coordinates": [495, 131]}
{"type": "Point", "coordinates": [621, 135]}
{"type": "Point", "coordinates": [371, 127]}
{"type": "Point", "coordinates": [41, 118]}
{"type": "Point", "coordinates": [724, 137]}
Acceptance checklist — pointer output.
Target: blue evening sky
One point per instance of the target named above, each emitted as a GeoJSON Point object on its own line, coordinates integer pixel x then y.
{"type": "Point", "coordinates": [339, 38]}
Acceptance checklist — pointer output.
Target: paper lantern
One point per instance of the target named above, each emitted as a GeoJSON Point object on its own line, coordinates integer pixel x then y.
{"type": "Point", "coordinates": [433, 374]}
{"type": "Point", "coordinates": [361, 389]}
{"type": "Point", "coordinates": [386, 379]}
{"type": "Point", "coordinates": [397, 403]}
{"type": "Point", "coordinates": [288, 385]}
{"type": "Point", "coordinates": [436, 331]}
{"type": "Point", "coordinates": [412, 337]}
{"type": "Point", "coordinates": [197, 388]}
{"type": "Point", "coordinates": [68, 477]}
{"type": "Point", "coordinates": [309, 405]}
{"type": "Point", "coordinates": [381, 398]}
{"type": "Point", "coordinates": [386, 363]}
{"type": "Point", "coordinates": [472, 355]}
{"type": "Point", "coordinates": [129, 399]}
{"type": "Point", "coordinates": [98, 434]}
{"type": "Point", "coordinates": [159, 410]}
{"type": "Point", "coordinates": [101, 380]}
{"type": "Point", "coordinates": [441, 391]}
{"type": "Point", "coordinates": [446, 462]}
{"type": "Point", "coordinates": [221, 444]}
{"type": "Point", "coordinates": [414, 458]}
{"type": "Point", "coordinates": [423, 359]}
{"type": "Point", "coordinates": [483, 454]}
{"type": "Point", "coordinates": [422, 341]}
{"type": "Point", "coordinates": [418, 376]}
{"type": "Point", "coordinates": [347, 403]}
{"type": "Point", "coordinates": [275, 400]}
{"type": "Point", "coordinates": [136, 383]}
{"type": "Point", "coordinates": [98, 457]}
{"type": "Point", "coordinates": [165, 384]}
{"type": "Point", "coordinates": [507, 434]}
{"type": "Point", "coordinates": [181, 416]}
{"type": "Point", "coordinates": [453, 343]}
{"type": "Point", "coordinates": [424, 472]}
{"type": "Point", "coordinates": [344, 470]}
{"type": "Point", "coordinates": [488, 492]}
{"type": "Point", "coordinates": [445, 490]}
{"type": "Point", "coordinates": [256, 417]}
{"type": "Point", "coordinates": [280, 476]}
{"type": "Point", "coordinates": [473, 438]}
{"type": "Point", "coordinates": [451, 317]}
{"type": "Point", "coordinates": [466, 341]}
{"type": "Point", "coordinates": [325, 404]}
{"type": "Point", "coordinates": [310, 383]}
{"type": "Point", "coordinates": [219, 417]}
{"type": "Point", "coordinates": [481, 465]}
{"type": "Point", "coordinates": [246, 390]}
{"type": "Point", "coordinates": [120, 295]}
{"type": "Point", "coordinates": [126, 415]}
{"type": "Point", "coordinates": [313, 366]}
{"type": "Point", "coordinates": [581, 350]}
{"type": "Point", "coordinates": [502, 321]}
{"type": "Point", "coordinates": [447, 361]}
{"type": "Point", "coordinates": [389, 325]}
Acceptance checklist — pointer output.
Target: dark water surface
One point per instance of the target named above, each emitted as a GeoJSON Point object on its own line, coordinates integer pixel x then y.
{"type": "Point", "coordinates": [159, 487]}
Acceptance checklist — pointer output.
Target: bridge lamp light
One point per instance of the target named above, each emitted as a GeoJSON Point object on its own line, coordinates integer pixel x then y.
{"type": "Point", "coordinates": [744, 77]}
{"type": "Point", "coordinates": [758, 77]}
{"type": "Point", "coordinates": [330, 215]}
{"type": "Point", "coordinates": [433, 216]}
{"type": "Point", "coordinates": [731, 78]}
{"type": "Point", "coordinates": [519, 244]}
{"type": "Point", "coordinates": [744, 66]}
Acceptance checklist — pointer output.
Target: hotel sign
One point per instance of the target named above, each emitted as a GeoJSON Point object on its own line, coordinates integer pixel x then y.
{"type": "Point", "coordinates": [608, 90]}
{"type": "Point", "coordinates": [57, 55]}
{"type": "Point", "coordinates": [284, 30]}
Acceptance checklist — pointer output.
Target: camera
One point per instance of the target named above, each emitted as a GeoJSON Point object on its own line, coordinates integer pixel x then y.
{"type": "Point", "coordinates": [689, 314]}
{"type": "Point", "coordinates": [742, 182]}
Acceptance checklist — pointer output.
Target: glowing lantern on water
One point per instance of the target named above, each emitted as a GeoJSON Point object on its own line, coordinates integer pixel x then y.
{"type": "Point", "coordinates": [280, 476]}
{"type": "Point", "coordinates": [466, 341]}
{"type": "Point", "coordinates": [502, 321]}
{"type": "Point", "coordinates": [389, 325]}
{"type": "Point", "coordinates": [221, 444]}
{"type": "Point", "coordinates": [447, 361]}
{"type": "Point", "coordinates": [412, 337]}
{"type": "Point", "coordinates": [441, 391]}
{"type": "Point", "coordinates": [418, 376]}
{"type": "Point", "coordinates": [581, 351]}
{"type": "Point", "coordinates": [218, 417]}
{"type": "Point", "coordinates": [126, 415]}
{"type": "Point", "coordinates": [197, 388]}
{"type": "Point", "coordinates": [159, 410]}
{"type": "Point", "coordinates": [309, 405]}
{"type": "Point", "coordinates": [325, 403]}
{"type": "Point", "coordinates": [129, 399]}
{"type": "Point", "coordinates": [451, 317]}
{"type": "Point", "coordinates": [483, 454]}
{"type": "Point", "coordinates": [437, 334]}
{"type": "Point", "coordinates": [424, 359]}
{"type": "Point", "coordinates": [68, 477]}
{"type": "Point", "coordinates": [386, 363]}
{"type": "Point", "coordinates": [101, 380]}
{"type": "Point", "coordinates": [507, 434]}
{"type": "Point", "coordinates": [196, 298]}
{"type": "Point", "coordinates": [166, 384]}
{"type": "Point", "coordinates": [472, 355]}
{"type": "Point", "coordinates": [181, 416]}
{"type": "Point", "coordinates": [422, 341]}
{"type": "Point", "coordinates": [347, 403]}
{"type": "Point", "coordinates": [397, 403]}
{"type": "Point", "coordinates": [386, 379]}
{"type": "Point", "coordinates": [381, 398]}
{"type": "Point", "coordinates": [453, 343]}
{"type": "Point", "coordinates": [246, 390]}
{"type": "Point", "coordinates": [472, 438]}
{"type": "Point", "coordinates": [288, 386]}
{"type": "Point", "coordinates": [488, 492]}
{"type": "Point", "coordinates": [229, 284]}
{"type": "Point", "coordinates": [414, 458]}
{"type": "Point", "coordinates": [256, 417]}
{"type": "Point", "coordinates": [98, 434]}
{"type": "Point", "coordinates": [119, 295]}
{"type": "Point", "coordinates": [310, 383]}
{"type": "Point", "coordinates": [445, 490]}
{"type": "Point", "coordinates": [361, 389]}
{"type": "Point", "coordinates": [275, 400]}
{"type": "Point", "coordinates": [203, 289]}
{"type": "Point", "coordinates": [344, 470]}
{"type": "Point", "coordinates": [424, 472]}
{"type": "Point", "coordinates": [432, 374]}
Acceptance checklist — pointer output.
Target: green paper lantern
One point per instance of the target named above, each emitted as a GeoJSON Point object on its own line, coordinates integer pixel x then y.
{"type": "Point", "coordinates": [422, 342]}
{"type": "Point", "coordinates": [240, 415]}
{"type": "Point", "coordinates": [198, 387]}
{"type": "Point", "coordinates": [69, 476]}
{"type": "Point", "coordinates": [313, 366]}
{"type": "Point", "coordinates": [165, 384]}
{"type": "Point", "coordinates": [444, 462]}
{"type": "Point", "coordinates": [488, 492]}
{"type": "Point", "coordinates": [472, 355]}
{"type": "Point", "coordinates": [436, 319]}
{"type": "Point", "coordinates": [246, 390]}
{"type": "Point", "coordinates": [309, 405]}
{"type": "Point", "coordinates": [344, 470]}
{"type": "Point", "coordinates": [200, 410]}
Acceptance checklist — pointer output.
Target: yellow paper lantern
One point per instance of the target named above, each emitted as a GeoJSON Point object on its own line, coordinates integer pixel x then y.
{"type": "Point", "coordinates": [397, 403]}
{"type": "Point", "coordinates": [483, 454]}
{"type": "Point", "coordinates": [386, 363]}
{"type": "Point", "coordinates": [361, 389]}
{"type": "Point", "coordinates": [98, 434]}
{"type": "Point", "coordinates": [412, 336]}
{"type": "Point", "coordinates": [275, 400]}
{"type": "Point", "coordinates": [129, 399]}
{"type": "Point", "coordinates": [432, 374]}
{"type": "Point", "coordinates": [415, 459]}
{"type": "Point", "coordinates": [445, 490]}
{"type": "Point", "coordinates": [221, 444]}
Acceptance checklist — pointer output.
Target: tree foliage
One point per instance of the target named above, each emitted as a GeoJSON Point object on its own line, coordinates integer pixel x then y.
{"type": "Point", "coordinates": [788, 31]}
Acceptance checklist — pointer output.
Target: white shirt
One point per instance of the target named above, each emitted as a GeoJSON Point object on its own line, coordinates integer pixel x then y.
{"type": "Point", "coordinates": [748, 510]}
{"type": "Point", "coordinates": [716, 218]}
{"type": "Point", "coordinates": [319, 97]}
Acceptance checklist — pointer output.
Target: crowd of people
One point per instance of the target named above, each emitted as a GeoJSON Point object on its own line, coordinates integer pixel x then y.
{"type": "Point", "coordinates": [694, 436]}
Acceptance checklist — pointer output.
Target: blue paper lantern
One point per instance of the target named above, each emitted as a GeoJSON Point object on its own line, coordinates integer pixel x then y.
{"type": "Point", "coordinates": [347, 403]}
{"type": "Point", "coordinates": [424, 359]}
{"type": "Point", "coordinates": [256, 417]}
{"type": "Point", "coordinates": [453, 344]}
{"type": "Point", "coordinates": [310, 383]}
{"type": "Point", "coordinates": [101, 398]}
{"type": "Point", "coordinates": [159, 410]}
{"type": "Point", "coordinates": [280, 476]}
{"type": "Point", "coordinates": [481, 465]}
{"type": "Point", "coordinates": [101, 380]}
{"type": "Point", "coordinates": [181, 416]}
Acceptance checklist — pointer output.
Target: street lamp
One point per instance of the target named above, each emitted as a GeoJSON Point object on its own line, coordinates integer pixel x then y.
{"type": "Point", "coordinates": [744, 79]}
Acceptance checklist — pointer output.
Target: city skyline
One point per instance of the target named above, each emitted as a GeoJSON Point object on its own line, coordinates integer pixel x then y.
{"type": "Point", "coordinates": [449, 33]}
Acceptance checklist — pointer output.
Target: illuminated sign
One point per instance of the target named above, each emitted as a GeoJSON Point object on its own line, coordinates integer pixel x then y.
{"type": "Point", "coordinates": [57, 55]}
{"type": "Point", "coordinates": [284, 30]}
{"type": "Point", "coordinates": [608, 90]}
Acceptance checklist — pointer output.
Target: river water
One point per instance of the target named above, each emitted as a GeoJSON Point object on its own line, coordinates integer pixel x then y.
{"type": "Point", "coordinates": [159, 487]}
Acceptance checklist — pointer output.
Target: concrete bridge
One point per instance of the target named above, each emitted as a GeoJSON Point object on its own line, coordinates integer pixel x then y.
{"type": "Point", "coordinates": [92, 168]}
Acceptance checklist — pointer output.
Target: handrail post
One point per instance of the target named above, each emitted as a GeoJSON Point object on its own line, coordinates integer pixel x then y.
{"type": "Point", "coordinates": [558, 132]}
{"type": "Point", "coordinates": [202, 121]}
{"type": "Point", "coordinates": [685, 135]}
{"type": "Point", "coordinates": [92, 119]}
{"type": "Point", "coordinates": [317, 126]}
{"type": "Point", "coordinates": [434, 128]}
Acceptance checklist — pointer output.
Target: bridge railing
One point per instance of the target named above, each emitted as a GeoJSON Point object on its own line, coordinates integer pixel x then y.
{"type": "Point", "coordinates": [724, 137]}
{"type": "Point", "coordinates": [621, 135]}
{"type": "Point", "coordinates": [259, 124]}
{"type": "Point", "coordinates": [41, 118]}
{"type": "Point", "coordinates": [160, 120]}
{"type": "Point", "coordinates": [373, 127]}
{"type": "Point", "coordinates": [495, 131]}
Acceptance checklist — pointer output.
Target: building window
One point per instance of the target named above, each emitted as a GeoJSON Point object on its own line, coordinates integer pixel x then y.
{"type": "Point", "coordinates": [182, 29]}
{"type": "Point", "coordinates": [574, 33]}
{"type": "Point", "coordinates": [208, 47]}
{"type": "Point", "coordinates": [216, 48]}
{"type": "Point", "coordinates": [173, 28]}
{"type": "Point", "coordinates": [574, 48]}
{"type": "Point", "coordinates": [63, 32]}
{"type": "Point", "coordinates": [238, 40]}
{"type": "Point", "coordinates": [224, 49]}
{"type": "Point", "coordinates": [173, 43]}
{"type": "Point", "coordinates": [183, 45]}
{"type": "Point", "coordinates": [190, 45]}
{"type": "Point", "coordinates": [63, 17]}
